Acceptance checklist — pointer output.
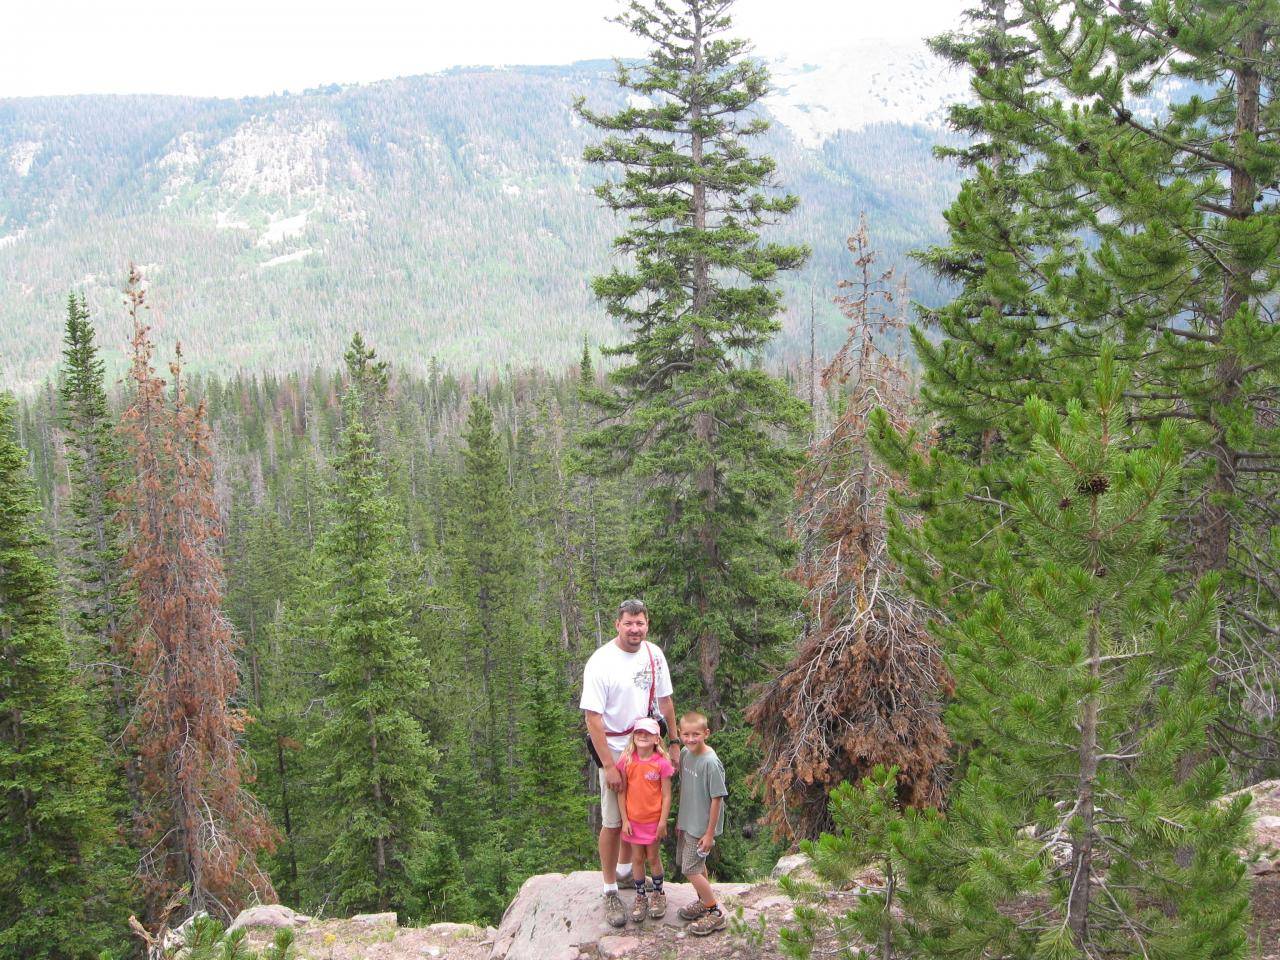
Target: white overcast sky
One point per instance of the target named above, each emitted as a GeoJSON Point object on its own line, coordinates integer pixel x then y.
{"type": "Point", "coordinates": [242, 47]}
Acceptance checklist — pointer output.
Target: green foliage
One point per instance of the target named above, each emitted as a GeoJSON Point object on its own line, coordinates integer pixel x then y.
{"type": "Point", "coordinates": [92, 554]}
{"type": "Point", "coordinates": [489, 570]}
{"type": "Point", "coordinates": [549, 777]}
{"type": "Point", "coordinates": [60, 892]}
{"type": "Point", "coordinates": [866, 829]}
{"type": "Point", "coordinates": [209, 940]}
{"type": "Point", "coordinates": [1084, 691]}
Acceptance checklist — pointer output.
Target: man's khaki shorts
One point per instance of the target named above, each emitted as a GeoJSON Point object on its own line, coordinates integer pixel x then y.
{"type": "Point", "coordinates": [687, 854]}
{"type": "Point", "coordinates": [610, 815]}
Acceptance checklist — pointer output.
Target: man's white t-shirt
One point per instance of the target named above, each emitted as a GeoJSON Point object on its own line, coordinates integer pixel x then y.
{"type": "Point", "coordinates": [615, 684]}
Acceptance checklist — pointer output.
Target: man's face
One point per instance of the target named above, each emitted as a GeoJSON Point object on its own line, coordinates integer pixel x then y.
{"type": "Point", "coordinates": [692, 735]}
{"type": "Point", "coordinates": [632, 629]}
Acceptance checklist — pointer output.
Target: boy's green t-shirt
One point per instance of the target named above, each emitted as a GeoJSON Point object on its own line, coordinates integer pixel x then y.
{"type": "Point", "coordinates": [701, 779]}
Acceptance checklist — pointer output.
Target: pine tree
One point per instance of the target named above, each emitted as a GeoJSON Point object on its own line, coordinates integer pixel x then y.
{"type": "Point", "coordinates": [1085, 682]}
{"type": "Point", "coordinates": [701, 430]}
{"type": "Point", "coordinates": [1106, 215]}
{"type": "Point", "coordinates": [377, 777]}
{"type": "Point", "coordinates": [200, 826]}
{"type": "Point", "coordinates": [57, 889]}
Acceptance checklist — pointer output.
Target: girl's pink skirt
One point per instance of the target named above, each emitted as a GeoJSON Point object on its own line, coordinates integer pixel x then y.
{"type": "Point", "coordinates": [642, 834]}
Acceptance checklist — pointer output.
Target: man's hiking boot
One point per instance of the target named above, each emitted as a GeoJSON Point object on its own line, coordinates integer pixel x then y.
{"type": "Point", "coordinates": [640, 909]}
{"type": "Point", "coordinates": [615, 914]}
{"type": "Point", "coordinates": [691, 911]}
{"type": "Point", "coordinates": [657, 905]}
{"type": "Point", "coordinates": [709, 922]}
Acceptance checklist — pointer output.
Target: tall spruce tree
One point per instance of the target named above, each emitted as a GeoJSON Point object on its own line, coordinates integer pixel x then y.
{"type": "Point", "coordinates": [702, 430]}
{"type": "Point", "coordinates": [56, 885]}
{"type": "Point", "coordinates": [378, 763]}
{"type": "Point", "coordinates": [94, 550]}
{"type": "Point", "coordinates": [1137, 202]}
{"type": "Point", "coordinates": [490, 573]}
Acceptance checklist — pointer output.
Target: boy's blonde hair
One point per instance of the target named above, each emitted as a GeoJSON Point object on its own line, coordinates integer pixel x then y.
{"type": "Point", "coordinates": [696, 719]}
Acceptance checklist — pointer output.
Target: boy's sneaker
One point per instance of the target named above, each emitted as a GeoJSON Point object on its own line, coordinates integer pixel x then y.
{"type": "Point", "coordinates": [640, 909]}
{"type": "Point", "coordinates": [709, 922]}
{"type": "Point", "coordinates": [615, 914]}
{"type": "Point", "coordinates": [691, 911]}
{"type": "Point", "coordinates": [657, 905]}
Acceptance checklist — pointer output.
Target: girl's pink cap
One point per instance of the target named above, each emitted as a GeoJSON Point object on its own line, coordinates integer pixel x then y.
{"type": "Point", "coordinates": [647, 724]}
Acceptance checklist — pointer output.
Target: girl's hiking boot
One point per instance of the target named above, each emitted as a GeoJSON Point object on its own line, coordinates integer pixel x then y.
{"type": "Point", "coordinates": [640, 909]}
{"type": "Point", "coordinates": [615, 914]}
{"type": "Point", "coordinates": [691, 911]}
{"type": "Point", "coordinates": [709, 922]}
{"type": "Point", "coordinates": [657, 905]}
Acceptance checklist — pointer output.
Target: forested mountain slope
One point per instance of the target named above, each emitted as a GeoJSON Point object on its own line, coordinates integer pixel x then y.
{"type": "Point", "coordinates": [447, 215]}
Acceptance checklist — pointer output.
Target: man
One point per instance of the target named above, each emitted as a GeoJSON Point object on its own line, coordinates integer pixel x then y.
{"type": "Point", "coordinates": [624, 680]}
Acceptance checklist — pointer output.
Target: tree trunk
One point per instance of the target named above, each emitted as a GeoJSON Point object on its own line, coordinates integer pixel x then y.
{"type": "Point", "coordinates": [704, 424]}
{"type": "Point", "coordinates": [380, 842]}
{"type": "Point", "coordinates": [1211, 537]}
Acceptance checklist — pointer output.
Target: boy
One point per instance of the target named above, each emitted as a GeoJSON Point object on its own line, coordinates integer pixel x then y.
{"type": "Point", "coordinates": [701, 820]}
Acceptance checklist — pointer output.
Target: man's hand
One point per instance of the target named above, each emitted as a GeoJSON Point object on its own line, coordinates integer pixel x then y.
{"type": "Point", "coordinates": [706, 843]}
{"type": "Point", "coordinates": [612, 778]}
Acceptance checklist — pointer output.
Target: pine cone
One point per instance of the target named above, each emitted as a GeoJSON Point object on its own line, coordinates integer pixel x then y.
{"type": "Point", "coordinates": [1094, 486]}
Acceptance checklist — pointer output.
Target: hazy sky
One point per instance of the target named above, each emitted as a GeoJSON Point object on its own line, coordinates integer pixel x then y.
{"type": "Point", "coordinates": [239, 47]}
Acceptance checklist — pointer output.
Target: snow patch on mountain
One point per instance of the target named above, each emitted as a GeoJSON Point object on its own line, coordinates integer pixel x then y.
{"type": "Point", "coordinates": [855, 86]}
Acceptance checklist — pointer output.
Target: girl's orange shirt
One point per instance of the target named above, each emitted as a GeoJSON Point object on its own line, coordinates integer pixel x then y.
{"type": "Point", "coordinates": [644, 786]}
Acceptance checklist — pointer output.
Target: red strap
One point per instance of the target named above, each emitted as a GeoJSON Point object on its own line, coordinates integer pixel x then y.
{"type": "Point", "coordinates": [653, 679]}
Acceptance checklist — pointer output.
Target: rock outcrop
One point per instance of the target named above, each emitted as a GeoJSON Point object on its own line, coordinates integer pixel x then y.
{"type": "Point", "coordinates": [558, 916]}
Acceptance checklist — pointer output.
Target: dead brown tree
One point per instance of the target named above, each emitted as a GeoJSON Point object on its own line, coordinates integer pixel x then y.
{"type": "Point", "coordinates": [867, 682]}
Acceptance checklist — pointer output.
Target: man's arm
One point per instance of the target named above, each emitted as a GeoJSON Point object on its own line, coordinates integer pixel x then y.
{"type": "Point", "coordinates": [595, 729]}
{"type": "Point", "coordinates": [667, 707]}
{"type": "Point", "coordinates": [622, 801]}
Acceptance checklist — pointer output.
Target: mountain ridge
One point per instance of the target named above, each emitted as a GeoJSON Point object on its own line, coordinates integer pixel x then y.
{"type": "Point", "coordinates": [447, 215]}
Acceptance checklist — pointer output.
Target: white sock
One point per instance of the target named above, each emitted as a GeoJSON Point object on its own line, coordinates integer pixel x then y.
{"type": "Point", "coordinates": [610, 888]}
{"type": "Point", "coordinates": [624, 871]}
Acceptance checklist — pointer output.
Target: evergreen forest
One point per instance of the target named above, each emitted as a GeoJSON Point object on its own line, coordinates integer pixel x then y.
{"type": "Point", "coordinates": [982, 591]}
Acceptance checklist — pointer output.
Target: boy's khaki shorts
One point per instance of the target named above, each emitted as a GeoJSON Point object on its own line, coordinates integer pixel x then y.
{"type": "Point", "coordinates": [610, 815]}
{"type": "Point", "coordinates": [687, 854]}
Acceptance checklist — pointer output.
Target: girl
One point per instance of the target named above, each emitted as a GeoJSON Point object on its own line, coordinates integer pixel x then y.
{"type": "Point", "coordinates": [644, 798]}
